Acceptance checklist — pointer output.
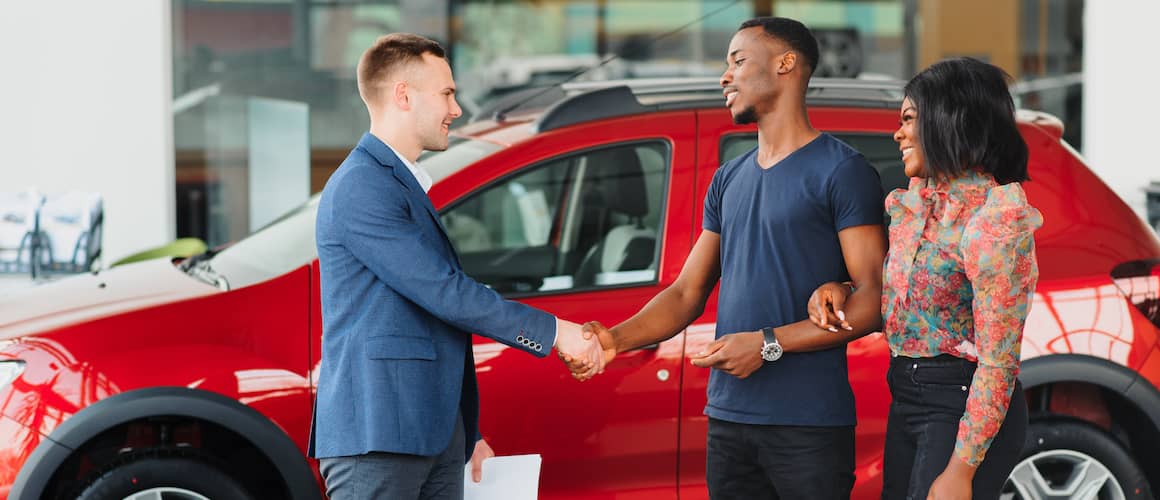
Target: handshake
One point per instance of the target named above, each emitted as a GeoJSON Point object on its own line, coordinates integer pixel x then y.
{"type": "Point", "coordinates": [586, 349]}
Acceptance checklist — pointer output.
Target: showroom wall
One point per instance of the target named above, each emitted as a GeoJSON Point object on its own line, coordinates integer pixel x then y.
{"type": "Point", "coordinates": [85, 105]}
{"type": "Point", "coordinates": [1121, 108]}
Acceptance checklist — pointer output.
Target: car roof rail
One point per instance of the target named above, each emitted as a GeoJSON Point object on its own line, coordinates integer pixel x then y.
{"type": "Point", "coordinates": [592, 105]}
{"type": "Point", "coordinates": [588, 101]}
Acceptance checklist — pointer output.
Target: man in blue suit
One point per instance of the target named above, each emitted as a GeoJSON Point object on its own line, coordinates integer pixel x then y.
{"type": "Point", "coordinates": [397, 408]}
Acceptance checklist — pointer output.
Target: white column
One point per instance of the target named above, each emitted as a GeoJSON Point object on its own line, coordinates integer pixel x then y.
{"type": "Point", "coordinates": [1120, 105]}
{"type": "Point", "coordinates": [85, 104]}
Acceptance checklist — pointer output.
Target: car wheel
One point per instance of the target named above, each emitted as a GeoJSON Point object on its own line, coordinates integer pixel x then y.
{"type": "Point", "coordinates": [1073, 459]}
{"type": "Point", "coordinates": [165, 479]}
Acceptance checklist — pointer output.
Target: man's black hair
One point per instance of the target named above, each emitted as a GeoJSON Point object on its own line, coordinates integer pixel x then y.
{"type": "Point", "coordinates": [793, 33]}
{"type": "Point", "coordinates": [966, 119]}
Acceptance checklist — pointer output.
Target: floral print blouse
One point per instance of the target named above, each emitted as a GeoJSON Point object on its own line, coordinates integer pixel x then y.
{"type": "Point", "coordinates": [959, 279]}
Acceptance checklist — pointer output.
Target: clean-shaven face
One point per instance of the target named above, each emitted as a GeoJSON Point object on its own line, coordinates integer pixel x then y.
{"type": "Point", "coordinates": [432, 95]}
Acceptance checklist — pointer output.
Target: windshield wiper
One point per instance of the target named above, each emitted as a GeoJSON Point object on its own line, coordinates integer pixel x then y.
{"type": "Point", "coordinates": [204, 272]}
{"type": "Point", "coordinates": [188, 263]}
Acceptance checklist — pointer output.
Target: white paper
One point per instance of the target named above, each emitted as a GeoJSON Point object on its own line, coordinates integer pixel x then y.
{"type": "Point", "coordinates": [515, 477]}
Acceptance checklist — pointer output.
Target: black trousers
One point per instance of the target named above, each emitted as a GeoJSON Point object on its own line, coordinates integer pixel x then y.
{"type": "Point", "coordinates": [753, 462]}
{"type": "Point", "coordinates": [930, 396]}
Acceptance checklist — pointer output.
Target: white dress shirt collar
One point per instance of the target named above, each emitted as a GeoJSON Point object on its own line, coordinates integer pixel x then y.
{"type": "Point", "coordinates": [416, 170]}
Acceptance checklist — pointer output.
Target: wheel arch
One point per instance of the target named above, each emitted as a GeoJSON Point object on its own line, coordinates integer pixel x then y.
{"type": "Point", "coordinates": [1126, 392]}
{"type": "Point", "coordinates": [73, 433]}
{"type": "Point", "coordinates": [1116, 378]}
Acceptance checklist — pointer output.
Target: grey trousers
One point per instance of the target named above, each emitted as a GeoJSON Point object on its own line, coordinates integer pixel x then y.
{"type": "Point", "coordinates": [397, 476]}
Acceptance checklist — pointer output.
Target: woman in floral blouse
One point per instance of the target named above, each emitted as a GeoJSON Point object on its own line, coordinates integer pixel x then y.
{"type": "Point", "coordinates": [958, 284]}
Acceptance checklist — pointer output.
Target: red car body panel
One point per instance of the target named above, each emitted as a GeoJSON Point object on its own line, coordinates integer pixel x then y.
{"type": "Point", "coordinates": [638, 430]}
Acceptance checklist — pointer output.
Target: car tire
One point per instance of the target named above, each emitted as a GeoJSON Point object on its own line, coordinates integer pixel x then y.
{"type": "Point", "coordinates": [1073, 459]}
{"type": "Point", "coordinates": [169, 478]}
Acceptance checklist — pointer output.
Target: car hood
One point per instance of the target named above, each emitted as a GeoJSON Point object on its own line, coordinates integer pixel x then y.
{"type": "Point", "coordinates": [95, 295]}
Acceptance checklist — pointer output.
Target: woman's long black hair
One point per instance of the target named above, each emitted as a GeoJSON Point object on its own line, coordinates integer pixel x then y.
{"type": "Point", "coordinates": [966, 119]}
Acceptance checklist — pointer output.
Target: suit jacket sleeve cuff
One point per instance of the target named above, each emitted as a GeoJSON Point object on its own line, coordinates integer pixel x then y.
{"type": "Point", "coordinates": [555, 330]}
{"type": "Point", "coordinates": [538, 334]}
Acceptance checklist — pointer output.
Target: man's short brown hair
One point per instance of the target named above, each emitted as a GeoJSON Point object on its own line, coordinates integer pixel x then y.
{"type": "Point", "coordinates": [389, 54]}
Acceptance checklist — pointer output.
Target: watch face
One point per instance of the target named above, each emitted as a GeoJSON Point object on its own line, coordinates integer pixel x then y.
{"type": "Point", "coordinates": [771, 352]}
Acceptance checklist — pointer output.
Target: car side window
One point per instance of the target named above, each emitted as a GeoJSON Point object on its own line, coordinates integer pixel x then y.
{"type": "Point", "coordinates": [586, 220]}
{"type": "Point", "coordinates": [879, 149]}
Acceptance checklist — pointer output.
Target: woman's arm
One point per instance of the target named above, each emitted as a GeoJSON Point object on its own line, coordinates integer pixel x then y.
{"type": "Point", "coordinates": [999, 256]}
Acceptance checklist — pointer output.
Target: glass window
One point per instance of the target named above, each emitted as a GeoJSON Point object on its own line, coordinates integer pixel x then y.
{"type": "Point", "coordinates": [1050, 71]}
{"type": "Point", "coordinates": [278, 248]}
{"type": "Point", "coordinates": [585, 220]}
{"type": "Point", "coordinates": [288, 242]}
{"type": "Point", "coordinates": [460, 152]}
{"type": "Point", "coordinates": [855, 37]}
{"type": "Point", "coordinates": [265, 89]}
{"type": "Point", "coordinates": [879, 149]}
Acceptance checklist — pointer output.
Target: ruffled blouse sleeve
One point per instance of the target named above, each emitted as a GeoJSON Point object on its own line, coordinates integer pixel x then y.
{"type": "Point", "coordinates": [998, 249]}
{"type": "Point", "coordinates": [901, 202]}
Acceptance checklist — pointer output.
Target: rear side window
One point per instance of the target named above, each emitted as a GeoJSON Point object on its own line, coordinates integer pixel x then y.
{"type": "Point", "coordinates": [581, 221]}
{"type": "Point", "coordinates": [879, 149]}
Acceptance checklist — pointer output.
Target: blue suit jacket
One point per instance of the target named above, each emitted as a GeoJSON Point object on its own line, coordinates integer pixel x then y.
{"type": "Point", "coordinates": [397, 312]}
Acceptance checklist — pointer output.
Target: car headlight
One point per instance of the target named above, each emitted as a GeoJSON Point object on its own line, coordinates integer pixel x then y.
{"type": "Point", "coordinates": [9, 370]}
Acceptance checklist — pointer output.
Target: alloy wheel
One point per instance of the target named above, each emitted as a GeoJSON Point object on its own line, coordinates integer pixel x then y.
{"type": "Point", "coordinates": [166, 494]}
{"type": "Point", "coordinates": [1061, 474]}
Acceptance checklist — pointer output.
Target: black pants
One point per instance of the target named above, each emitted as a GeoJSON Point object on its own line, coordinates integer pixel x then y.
{"type": "Point", "coordinates": [930, 396]}
{"type": "Point", "coordinates": [753, 462]}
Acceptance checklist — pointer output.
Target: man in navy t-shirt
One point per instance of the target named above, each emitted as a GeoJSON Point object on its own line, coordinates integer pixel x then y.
{"type": "Point", "coordinates": [779, 229]}
{"type": "Point", "coordinates": [800, 210]}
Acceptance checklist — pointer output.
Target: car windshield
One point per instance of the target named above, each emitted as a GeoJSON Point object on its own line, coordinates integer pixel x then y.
{"type": "Point", "coordinates": [460, 153]}
{"type": "Point", "coordinates": [288, 242]}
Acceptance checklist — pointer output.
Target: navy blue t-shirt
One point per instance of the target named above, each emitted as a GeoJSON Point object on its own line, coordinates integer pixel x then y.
{"type": "Point", "coordinates": [779, 242]}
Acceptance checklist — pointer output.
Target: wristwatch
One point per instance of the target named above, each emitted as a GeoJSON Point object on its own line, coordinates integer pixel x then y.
{"type": "Point", "coordinates": [771, 350]}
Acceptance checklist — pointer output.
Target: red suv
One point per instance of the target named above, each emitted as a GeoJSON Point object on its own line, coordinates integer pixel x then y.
{"type": "Point", "coordinates": [185, 374]}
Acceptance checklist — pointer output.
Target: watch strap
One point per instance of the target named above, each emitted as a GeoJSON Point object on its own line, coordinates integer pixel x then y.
{"type": "Point", "coordinates": [770, 338]}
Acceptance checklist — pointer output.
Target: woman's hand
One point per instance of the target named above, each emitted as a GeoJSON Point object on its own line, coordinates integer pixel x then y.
{"type": "Point", "coordinates": [954, 483]}
{"type": "Point", "coordinates": [826, 306]}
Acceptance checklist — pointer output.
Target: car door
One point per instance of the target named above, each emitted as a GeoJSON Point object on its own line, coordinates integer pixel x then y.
{"type": "Point", "coordinates": [721, 141]}
{"type": "Point", "coordinates": [588, 223]}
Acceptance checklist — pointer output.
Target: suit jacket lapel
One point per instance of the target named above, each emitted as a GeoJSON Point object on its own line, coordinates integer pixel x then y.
{"type": "Point", "coordinates": [383, 154]}
{"type": "Point", "coordinates": [418, 196]}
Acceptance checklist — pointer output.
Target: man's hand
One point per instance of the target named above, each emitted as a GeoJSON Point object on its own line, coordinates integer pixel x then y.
{"type": "Point", "coordinates": [482, 452]}
{"type": "Point", "coordinates": [738, 354]}
{"type": "Point", "coordinates": [827, 306]}
{"type": "Point", "coordinates": [608, 346]}
{"type": "Point", "coordinates": [583, 355]}
{"type": "Point", "coordinates": [954, 483]}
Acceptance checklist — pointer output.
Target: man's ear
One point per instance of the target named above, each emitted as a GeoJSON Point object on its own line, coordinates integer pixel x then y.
{"type": "Point", "coordinates": [787, 62]}
{"type": "Point", "coordinates": [400, 97]}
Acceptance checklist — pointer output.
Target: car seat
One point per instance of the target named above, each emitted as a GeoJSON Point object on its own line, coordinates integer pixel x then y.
{"type": "Point", "coordinates": [618, 178]}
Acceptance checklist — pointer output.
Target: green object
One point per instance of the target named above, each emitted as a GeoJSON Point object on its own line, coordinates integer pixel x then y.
{"type": "Point", "coordinates": [182, 247]}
